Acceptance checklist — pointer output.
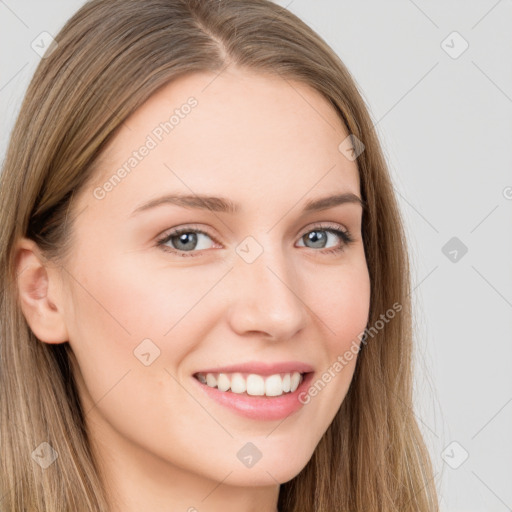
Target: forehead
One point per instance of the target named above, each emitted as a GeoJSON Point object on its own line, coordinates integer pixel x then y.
{"type": "Point", "coordinates": [238, 133]}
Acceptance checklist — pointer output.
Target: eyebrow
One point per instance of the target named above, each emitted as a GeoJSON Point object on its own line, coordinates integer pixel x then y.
{"type": "Point", "coordinates": [224, 205]}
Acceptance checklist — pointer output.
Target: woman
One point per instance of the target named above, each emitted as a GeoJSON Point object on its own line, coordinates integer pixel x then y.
{"type": "Point", "coordinates": [205, 281]}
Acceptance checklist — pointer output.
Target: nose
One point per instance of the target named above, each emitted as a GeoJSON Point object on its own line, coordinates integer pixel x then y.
{"type": "Point", "coordinates": [266, 297]}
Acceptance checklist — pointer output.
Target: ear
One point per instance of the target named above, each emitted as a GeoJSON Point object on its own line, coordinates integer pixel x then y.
{"type": "Point", "coordinates": [38, 287]}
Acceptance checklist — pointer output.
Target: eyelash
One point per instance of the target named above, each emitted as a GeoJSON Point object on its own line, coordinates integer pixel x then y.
{"type": "Point", "coordinates": [344, 234]}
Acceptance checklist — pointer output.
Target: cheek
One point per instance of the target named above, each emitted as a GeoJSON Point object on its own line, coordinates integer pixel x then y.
{"type": "Point", "coordinates": [120, 313]}
{"type": "Point", "coordinates": [133, 299]}
{"type": "Point", "coordinates": [340, 299]}
{"type": "Point", "coordinates": [344, 306]}
{"type": "Point", "coordinates": [344, 313]}
{"type": "Point", "coordinates": [123, 309]}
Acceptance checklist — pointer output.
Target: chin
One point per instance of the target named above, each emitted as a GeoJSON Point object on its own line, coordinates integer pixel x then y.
{"type": "Point", "coordinates": [276, 470]}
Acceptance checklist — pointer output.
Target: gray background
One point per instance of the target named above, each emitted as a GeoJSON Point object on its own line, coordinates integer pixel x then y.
{"type": "Point", "coordinates": [445, 122]}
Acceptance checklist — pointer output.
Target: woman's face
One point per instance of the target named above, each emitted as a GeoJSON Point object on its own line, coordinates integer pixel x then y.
{"type": "Point", "coordinates": [268, 290]}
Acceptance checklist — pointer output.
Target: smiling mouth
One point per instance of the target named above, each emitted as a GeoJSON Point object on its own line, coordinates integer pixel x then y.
{"type": "Point", "coordinates": [252, 384]}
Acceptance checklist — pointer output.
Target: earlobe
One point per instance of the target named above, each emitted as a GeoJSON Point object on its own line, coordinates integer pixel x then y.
{"type": "Point", "coordinates": [38, 289]}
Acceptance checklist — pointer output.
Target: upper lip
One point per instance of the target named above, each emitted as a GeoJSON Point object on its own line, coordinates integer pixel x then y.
{"type": "Point", "coordinates": [261, 368]}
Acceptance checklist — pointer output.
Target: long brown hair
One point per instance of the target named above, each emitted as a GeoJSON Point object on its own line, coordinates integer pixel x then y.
{"type": "Point", "coordinates": [110, 57]}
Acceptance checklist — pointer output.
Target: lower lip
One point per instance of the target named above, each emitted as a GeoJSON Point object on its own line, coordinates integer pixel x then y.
{"type": "Point", "coordinates": [260, 407]}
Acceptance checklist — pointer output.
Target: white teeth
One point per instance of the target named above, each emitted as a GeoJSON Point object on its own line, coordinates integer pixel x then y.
{"type": "Point", "coordinates": [211, 380]}
{"type": "Point", "coordinates": [274, 385]}
{"type": "Point", "coordinates": [286, 383]}
{"type": "Point", "coordinates": [238, 384]}
{"type": "Point", "coordinates": [254, 385]}
{"type": "Point", "coordinates": [295, 381]}
{"type": "Point", "coordinates": [223, 382]}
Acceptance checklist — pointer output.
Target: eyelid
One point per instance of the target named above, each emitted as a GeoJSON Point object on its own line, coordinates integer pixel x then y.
{"type": "Point", "coordinates": [198, 227]}
{"type": "Point", "coordinates": [186, 228]}
{"type": "Point", "coordinates": [324, 225]}
{"type": "Point", "coordinates": [346, 239]}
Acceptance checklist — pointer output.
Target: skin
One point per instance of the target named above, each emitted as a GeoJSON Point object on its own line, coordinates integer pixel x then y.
{"type": "Point", "coordinates": [270, 145]}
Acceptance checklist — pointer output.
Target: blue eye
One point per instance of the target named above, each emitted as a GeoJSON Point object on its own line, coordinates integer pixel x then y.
{"type": "Point", "coordinates": [188, 241]}
{"type": "Point", "coordinates": [185, 240]}
{"type": "Point", "coordinates": [319, 237]}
